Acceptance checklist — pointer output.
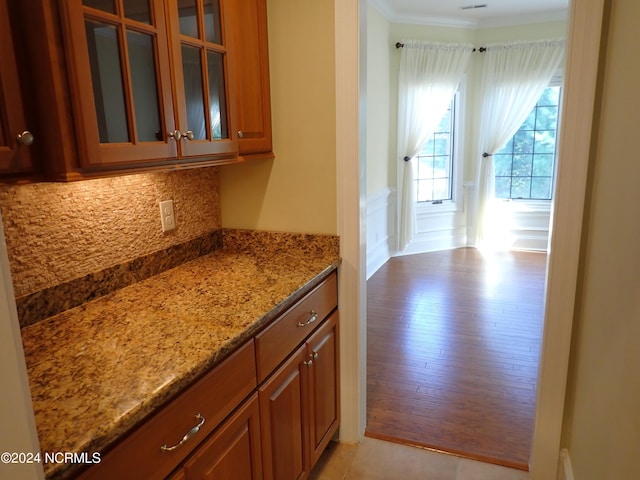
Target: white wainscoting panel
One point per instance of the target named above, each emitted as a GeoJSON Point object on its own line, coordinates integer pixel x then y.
{"type": "Point", "coordinates": [529, 225]}
{"type": "Point", "coordinates": [381, 228]}
{"type": "Point", "coordinates": [447, 226]}
{"type": "Point", "coordinates": [438, 229]}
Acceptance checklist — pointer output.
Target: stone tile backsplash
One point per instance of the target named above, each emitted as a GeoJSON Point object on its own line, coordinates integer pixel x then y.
{"type": "Point", "coordinates": [60, 232]}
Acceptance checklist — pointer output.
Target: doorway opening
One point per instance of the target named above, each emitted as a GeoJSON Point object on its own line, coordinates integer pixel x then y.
{"type": "Point", "coordinates": [521, 460]}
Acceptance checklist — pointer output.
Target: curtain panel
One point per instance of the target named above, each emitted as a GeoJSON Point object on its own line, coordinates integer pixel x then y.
{"type": "Point", "coordinates": [430, 73]}
{"type": "Point", "coordinates": [513, 78]}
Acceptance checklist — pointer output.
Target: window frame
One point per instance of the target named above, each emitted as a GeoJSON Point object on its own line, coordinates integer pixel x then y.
{"type": "Point", "coordinates": [457, 160]}
{"type": "Point", "coordinates": [543, 204]}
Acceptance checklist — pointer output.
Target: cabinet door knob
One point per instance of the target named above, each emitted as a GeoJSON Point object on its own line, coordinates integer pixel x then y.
{"type": "Point", "coordinates": [188, 135]}
{"type": "Point", "coordinates": [240, 134]}
{"type": "Point", "coordinates": [25, 138]}
{"type": "Point", "coordinates": [176, 134]}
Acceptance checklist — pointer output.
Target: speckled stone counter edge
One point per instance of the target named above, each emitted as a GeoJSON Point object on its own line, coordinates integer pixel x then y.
{"type": "Point", "coordinates": [273, 242]}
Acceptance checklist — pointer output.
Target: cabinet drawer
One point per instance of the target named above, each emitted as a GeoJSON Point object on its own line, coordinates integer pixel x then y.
{"type": "Point", "coordinates": [214, 397]}
{"type": "Point", "coordinates": [281, 337]}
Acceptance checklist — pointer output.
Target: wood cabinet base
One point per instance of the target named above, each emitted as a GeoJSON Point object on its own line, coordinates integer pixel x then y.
{"type": "Point", "coordinates": [232, 424]}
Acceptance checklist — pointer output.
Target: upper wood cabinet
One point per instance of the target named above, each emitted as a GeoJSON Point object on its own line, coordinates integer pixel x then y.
{"type": "Point", "coordinates": [134, 85]}
{"type": "Point", "coordinates": [145, 88]}
{"type": "Point", "coordinates": [248, 42]}
{"type": "Point", "coordinates": [15, 137]}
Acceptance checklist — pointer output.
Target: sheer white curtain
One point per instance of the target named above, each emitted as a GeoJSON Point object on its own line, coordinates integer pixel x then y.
{"type": "Point", "coordinates": [514, 76]}
{"type": "Point", "coordinates": [430, 73]}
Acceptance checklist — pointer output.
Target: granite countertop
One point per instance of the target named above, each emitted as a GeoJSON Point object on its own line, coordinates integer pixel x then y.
{"type": "Point", "coordinates": [99, 369]}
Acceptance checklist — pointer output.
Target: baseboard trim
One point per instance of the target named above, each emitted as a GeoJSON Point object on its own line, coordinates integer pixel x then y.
{"type": "Point", "coordinates": [565, 469]}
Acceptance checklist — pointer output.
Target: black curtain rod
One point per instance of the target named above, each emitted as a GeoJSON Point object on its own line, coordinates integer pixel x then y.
{"type": "Point", "coordinates": [481, 49]}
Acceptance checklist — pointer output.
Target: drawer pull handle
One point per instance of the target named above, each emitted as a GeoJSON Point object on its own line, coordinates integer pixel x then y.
{"type": "Point", "coordinates": [312, 318]}
{"type": "Point", "coordinates": [187, 436]}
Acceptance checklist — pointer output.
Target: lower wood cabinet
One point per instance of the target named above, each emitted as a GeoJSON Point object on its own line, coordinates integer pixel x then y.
{"type": "Point", "coordinates": [266, 412]}
{"type": "Point", "coordinates": [164, 441]}
{"type": "Point", "coordinates": [324, 387]}
{"type": "Point", "coordinates": [233, 452]}
{"type": "Point", "coordinates": [299, 406]}
{"type": "Point", "coordinates": [283, 416]}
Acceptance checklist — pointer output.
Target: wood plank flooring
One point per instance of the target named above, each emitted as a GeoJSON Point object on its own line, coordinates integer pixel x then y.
{"type": "Point", "coordinates": [453, 342]}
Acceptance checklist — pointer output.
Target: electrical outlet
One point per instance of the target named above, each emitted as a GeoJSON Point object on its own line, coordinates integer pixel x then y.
{"type": "Point", "coordinates": [167, 215]}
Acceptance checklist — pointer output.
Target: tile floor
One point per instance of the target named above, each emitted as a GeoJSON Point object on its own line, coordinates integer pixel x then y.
{"type": "Point", "coordinates": [378, 460]}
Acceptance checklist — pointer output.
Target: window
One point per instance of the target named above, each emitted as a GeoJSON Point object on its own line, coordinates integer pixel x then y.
{"type": "Point", "coordinates": [525, 166]}
{"type": "Point", "coordinates": [434, 165]}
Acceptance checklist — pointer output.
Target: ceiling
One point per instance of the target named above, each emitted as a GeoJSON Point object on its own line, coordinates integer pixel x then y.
{"type": "Point", "coordinates": [450, 13]}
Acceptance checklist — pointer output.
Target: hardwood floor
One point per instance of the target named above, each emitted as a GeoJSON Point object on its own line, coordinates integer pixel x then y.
{"type": "Point", "coordinates": [453, 341]}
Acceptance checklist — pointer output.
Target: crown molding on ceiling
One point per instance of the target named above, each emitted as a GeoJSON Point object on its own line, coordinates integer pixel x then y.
{"type": "Point", "coordinates": [390, 14]}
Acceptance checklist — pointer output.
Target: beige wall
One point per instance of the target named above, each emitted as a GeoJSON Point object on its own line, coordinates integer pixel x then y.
{"type": "Point", "coordinates": [56, 232]}
{"type": "Point", "coordinates": [602, 414]}
{"type": "Point", "coordinates": [297, 191]}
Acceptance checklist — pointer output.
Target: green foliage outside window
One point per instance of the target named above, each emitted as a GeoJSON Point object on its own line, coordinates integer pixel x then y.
{"type": "Point", "coordinates": [524, 166]}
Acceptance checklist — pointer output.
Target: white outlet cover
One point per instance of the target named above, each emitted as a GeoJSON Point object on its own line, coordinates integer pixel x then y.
{"type": "Point", "coordinates": [167, 215]}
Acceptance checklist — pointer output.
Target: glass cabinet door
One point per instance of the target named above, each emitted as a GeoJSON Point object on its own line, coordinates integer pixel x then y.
{"type": "Point", "coordinates": [15, 138]}
{"type": "Point", "coordinates": [123, 81]}
{"type": "Point", "coordinates": [201, 78]}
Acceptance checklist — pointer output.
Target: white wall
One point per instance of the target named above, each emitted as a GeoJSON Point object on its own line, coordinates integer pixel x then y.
{"type": "Point", "coordinates": [16, 410]}
{"type": "Point", "coordinates": [380, 174]}
{"type": "Point", "coordinates": [380, 169]}
{"type": "Point", "coordinates": [438, 228]}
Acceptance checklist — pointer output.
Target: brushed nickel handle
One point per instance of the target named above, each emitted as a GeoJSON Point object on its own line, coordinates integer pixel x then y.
{"type": "Point", "coordinates": [314, 355]}
{"type": "Point", "coordinates": [312, 318]}
{"type": "Point", "coordinates": [25, 138]}
{"type": "Point", "coordinates": [308, 363]}
{"type": "Point", "coordinates": [176, 135]}
{"type": "Point", "coordinates": [240, 134]}
{"type": "Point", "coordinates": [187, 435]}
